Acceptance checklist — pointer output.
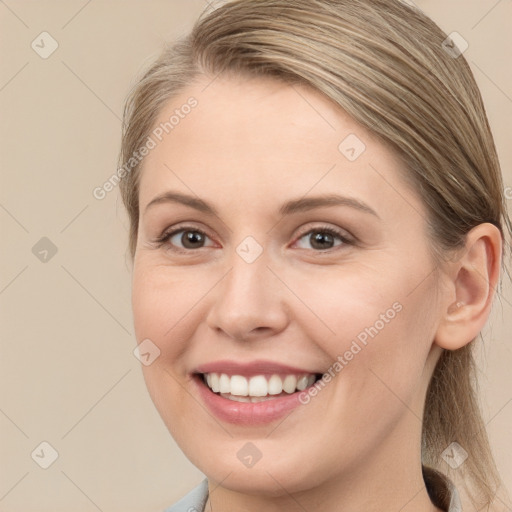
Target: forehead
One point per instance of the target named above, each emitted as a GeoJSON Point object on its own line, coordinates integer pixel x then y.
{"type": "Point", "coordinates": [255, 112]}
{"type": "Point", "coordinates": [257, 138]}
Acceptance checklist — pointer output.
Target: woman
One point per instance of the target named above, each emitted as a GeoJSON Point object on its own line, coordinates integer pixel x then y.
{"type": "Point", "coordinates": [317, 224]}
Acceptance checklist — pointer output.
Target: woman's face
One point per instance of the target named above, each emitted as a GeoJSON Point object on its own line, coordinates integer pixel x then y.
{"type": "Point", "coordinates": [297, 251]}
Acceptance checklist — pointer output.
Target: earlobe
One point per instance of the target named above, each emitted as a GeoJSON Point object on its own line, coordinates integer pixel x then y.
{"type": "Point", "coordinates": [470, 292]}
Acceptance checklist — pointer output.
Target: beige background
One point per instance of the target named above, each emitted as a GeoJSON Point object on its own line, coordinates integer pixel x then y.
{"type": "Point", "coordinates": [68, 374]}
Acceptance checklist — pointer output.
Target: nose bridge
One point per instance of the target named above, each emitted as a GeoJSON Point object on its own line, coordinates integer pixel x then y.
{"type": "Point", "coordinates": [248, 300]}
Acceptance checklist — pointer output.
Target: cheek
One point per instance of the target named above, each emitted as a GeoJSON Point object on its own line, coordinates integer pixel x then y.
{"type": "Point", "coordinates": [359, 298]}
{"type": "Point", "coordinates": [379, 328]}
{"type": "Point", "coordinates": [348, 304]}
{"type": "Point", "coordinates": [163, 302]}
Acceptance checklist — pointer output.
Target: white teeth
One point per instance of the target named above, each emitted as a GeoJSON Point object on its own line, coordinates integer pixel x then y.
{"type": "Point", "coordinates": [224, 383]}
{"type": "Point", "coordinates": [253, 399]}
{"type": "Point", "coordinates": [302, 383]}
{"type": "Point", "coordinates": [258, 386]}
{"type": "Point", "coordinates": [242, 389]}
{"type": "Point", "coordinates": [239, 386]}
{"type": "Point", "coordinates": [275, 385]}
{"type": "Point", "coordinates": [236, 398]}
{"type": "Point", "coordinates": [290, 383]}
{"type": "Point", "coordinates": [214, 384]}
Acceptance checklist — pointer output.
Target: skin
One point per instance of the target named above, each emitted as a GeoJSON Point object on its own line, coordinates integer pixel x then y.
{"type": "Point", "coordinates": [249, 146]}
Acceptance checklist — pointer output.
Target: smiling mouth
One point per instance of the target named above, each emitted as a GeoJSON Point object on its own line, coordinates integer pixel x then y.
{"type": "Point", "coordinates": [257, 388]}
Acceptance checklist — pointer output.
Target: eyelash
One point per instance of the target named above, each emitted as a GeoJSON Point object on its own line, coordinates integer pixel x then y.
{"type": "Point", "coordinates": [166, 236]}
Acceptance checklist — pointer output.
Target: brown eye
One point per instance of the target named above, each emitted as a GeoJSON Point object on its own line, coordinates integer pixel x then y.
{"type": "Point", "coordinates": [191, 239]}
{"type": "Point", "coordinates": [184, 239]}
{"type": "Point", "coordinates": [324, 238]}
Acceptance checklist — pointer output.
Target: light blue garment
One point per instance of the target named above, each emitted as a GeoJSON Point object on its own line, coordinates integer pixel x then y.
{"type": "Point", "coordinates": [441, 490]}
{"type": "Point", "coordinates": [194, 501]}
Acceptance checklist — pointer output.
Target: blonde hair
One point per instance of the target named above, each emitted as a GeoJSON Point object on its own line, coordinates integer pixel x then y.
{"type": "Point", "coordinates": [389, 67]}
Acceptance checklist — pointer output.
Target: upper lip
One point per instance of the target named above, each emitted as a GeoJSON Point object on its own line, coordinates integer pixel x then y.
{"type": "Point", "coordinates": [257, 367]}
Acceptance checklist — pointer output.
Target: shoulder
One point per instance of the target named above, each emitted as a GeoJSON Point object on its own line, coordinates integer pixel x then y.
{"type": "Point", "coordinates": [194, 501]}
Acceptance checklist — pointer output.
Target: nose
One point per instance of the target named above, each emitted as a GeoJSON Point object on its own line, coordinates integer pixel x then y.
{"type": "Point", "coordinates": [250, 302]}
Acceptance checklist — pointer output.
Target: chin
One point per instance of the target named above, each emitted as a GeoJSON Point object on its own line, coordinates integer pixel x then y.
{"type": "Point", "coordinates": [275, 474]}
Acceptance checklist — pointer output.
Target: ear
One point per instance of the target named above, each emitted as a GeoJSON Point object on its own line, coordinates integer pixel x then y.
{"type": "Point", "coordinates": [473, 277]}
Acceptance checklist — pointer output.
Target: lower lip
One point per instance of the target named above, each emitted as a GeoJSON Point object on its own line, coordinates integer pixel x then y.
{"type": "Point", "coordinates": [246, 413]}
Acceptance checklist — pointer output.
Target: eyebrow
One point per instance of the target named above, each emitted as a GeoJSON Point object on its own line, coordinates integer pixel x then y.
{"type": "Point", "coordinates": [290, 207]}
